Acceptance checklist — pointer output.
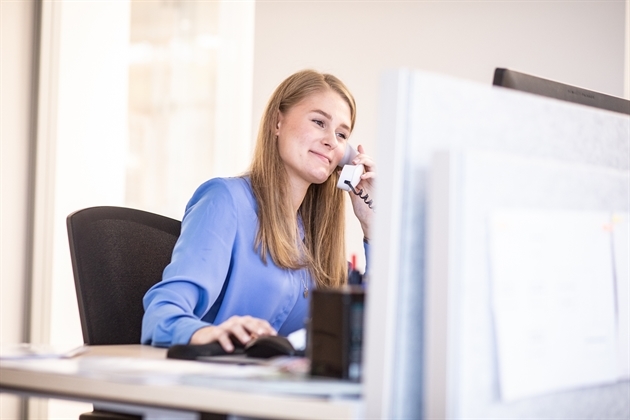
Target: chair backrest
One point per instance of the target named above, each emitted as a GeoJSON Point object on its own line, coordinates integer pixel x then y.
{"type": "Point", "coordinates": [117, 255]}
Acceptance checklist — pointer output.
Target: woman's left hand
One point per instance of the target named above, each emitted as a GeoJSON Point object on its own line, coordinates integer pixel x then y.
{"type": "Point", "coordinates": [361, 209]}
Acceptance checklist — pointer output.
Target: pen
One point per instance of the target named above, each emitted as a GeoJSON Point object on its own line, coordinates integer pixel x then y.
{"type": "Point", "coordinates": [354, 277]}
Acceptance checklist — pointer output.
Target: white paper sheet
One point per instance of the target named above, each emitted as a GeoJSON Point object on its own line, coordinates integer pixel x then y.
{"type": "Point", "coordinates": [553, 300]}
{"type": "Point", "coordinates": [38, 351]}
{"type": "Point", "coordinates": [621, 249]}
{"type": "Point", "coordinates": [298, 339]}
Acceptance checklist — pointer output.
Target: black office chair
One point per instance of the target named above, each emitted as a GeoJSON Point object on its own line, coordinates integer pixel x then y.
{"type": "Point", "coordinates": [117, 255]}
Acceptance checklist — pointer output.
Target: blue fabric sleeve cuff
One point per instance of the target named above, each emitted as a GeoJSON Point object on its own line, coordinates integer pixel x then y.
{"type": "Point", "coordinates": [366, 248]}
{"type": "Point", "coordinates": [186, 327]}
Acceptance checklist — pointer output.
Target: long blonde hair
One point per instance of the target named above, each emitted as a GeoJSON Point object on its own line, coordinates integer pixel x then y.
{"type": "Point", "coordinates": [322, 211]}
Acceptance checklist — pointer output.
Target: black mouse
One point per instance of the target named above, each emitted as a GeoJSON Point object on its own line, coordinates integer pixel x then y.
{"type": "Point", "coordinates": [267, 346]}
{"type": "Point", "coordinates": [193, 351]}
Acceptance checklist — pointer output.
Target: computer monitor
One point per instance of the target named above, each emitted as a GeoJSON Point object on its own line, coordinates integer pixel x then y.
{"type": "Point", "coordinates": [539, 86]}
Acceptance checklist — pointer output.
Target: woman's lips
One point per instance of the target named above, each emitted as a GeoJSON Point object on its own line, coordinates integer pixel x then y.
{"type": "Point", "coordinates": [322, 157]}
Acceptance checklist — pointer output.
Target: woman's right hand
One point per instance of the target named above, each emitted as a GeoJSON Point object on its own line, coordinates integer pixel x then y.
{"type": "Point", "coordinates": [364, 213]}
{"type": "Point", "coordinates": [243, 328]}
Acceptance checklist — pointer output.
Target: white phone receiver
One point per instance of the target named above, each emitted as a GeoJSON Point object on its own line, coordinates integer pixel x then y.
{"type": "Point", "coordinates": [350, 173]}
{"type": "Point", "coordinates": [349, 154]}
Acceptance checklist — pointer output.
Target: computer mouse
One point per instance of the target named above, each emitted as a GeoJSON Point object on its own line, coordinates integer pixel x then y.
{"type": "Point", "coordinates": [267, 346]}
{"type": "Point", "coordinates": [193, 351]}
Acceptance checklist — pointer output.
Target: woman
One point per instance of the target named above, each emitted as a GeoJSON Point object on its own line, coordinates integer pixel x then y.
{"type": "Point", "coordinates": [253, 247]}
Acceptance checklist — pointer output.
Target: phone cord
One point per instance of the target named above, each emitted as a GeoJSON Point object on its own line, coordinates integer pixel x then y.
{"type": "Point", "coordinates": [364, 197]}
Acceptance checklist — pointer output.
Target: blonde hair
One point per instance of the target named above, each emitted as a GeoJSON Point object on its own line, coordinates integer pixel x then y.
{"type": "Point", "coordinates": [322, 210]}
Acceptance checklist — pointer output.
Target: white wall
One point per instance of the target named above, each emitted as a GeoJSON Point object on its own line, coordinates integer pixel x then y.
{"type": "Point", "coordinates": [15, 61]}
{"type": "Point", "coordinates": [579, 43]}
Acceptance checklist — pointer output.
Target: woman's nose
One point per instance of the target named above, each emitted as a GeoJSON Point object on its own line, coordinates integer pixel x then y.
{"type": "Point", "coordinates": [331, 140]}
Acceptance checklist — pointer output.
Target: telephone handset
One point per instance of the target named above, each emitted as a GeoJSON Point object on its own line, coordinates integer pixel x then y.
{"type": "Point", "coordinates": [351, 175]}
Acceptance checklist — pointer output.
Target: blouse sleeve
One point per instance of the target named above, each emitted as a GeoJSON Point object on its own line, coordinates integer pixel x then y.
{"type": "Point", "coordinates": [192, 281]}
{"type": "Point", "coordinates": [366, 248]}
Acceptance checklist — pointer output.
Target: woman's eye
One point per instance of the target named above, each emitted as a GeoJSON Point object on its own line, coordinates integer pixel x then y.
{"type": "Point", "coordinates": [343, 136]}
{"type": "Point", "coordinates": [318, 122]}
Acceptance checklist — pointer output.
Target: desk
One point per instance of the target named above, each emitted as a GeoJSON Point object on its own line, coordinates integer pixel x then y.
{"type": "Point", "coordinates": [86, 378]}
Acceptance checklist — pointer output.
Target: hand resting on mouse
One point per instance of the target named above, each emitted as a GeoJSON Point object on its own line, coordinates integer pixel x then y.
{"type": "Point", "coordinates": [237, 330]}
{"type": "Point", "coordinates": [262, 347]}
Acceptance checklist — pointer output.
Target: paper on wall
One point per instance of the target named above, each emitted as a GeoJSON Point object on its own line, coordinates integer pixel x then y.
{"type": "Point", "coordinates": [553, 300]}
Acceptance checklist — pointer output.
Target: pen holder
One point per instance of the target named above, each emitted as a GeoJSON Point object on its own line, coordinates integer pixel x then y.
{"type": "Point", "coordinates": [335, 343]}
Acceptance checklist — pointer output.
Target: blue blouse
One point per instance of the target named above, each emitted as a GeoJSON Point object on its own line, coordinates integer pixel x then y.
{"type": "Point", "coordinates": [216, 272]}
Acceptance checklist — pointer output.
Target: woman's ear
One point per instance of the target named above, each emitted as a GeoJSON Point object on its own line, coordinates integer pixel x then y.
{"type": "Point", "coordinates": [279, 119]}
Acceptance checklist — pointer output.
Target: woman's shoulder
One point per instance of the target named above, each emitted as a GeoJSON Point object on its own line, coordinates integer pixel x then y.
{"type": "Point", "coordinates": [234, 189]}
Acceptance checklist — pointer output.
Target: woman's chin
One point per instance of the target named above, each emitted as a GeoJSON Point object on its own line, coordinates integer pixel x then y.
{"type": "Point", "coordinates": [319, 177]}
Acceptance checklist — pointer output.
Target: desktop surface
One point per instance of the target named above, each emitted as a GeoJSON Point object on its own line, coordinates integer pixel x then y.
{"type": "Point", "coordinates": [142, 376]}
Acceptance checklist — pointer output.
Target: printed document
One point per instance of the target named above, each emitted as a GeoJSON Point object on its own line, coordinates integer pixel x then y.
{"type": "Point", "coordinates": [553, 300]}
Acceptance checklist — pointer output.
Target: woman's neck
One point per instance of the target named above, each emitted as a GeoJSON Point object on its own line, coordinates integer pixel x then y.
{"type": "Point", "coordinates": [297, 192]}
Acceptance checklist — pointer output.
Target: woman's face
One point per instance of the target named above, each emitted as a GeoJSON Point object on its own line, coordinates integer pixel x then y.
{"type": "Point", "coordinates": [312, 136]}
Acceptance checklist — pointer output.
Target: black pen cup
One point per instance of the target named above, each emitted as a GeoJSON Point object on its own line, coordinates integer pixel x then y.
{"type": "Point", "coordinates": [335, 343]}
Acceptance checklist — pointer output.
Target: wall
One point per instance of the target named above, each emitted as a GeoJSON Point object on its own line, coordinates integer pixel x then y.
{"type": "Point", "coordinates": [579, 43]}
{"type": "Point", "coordinates": [15, 84]}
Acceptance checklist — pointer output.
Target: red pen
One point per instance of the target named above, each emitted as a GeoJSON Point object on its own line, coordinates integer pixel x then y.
{"type": "Point", "coordinates": [354, 277]}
